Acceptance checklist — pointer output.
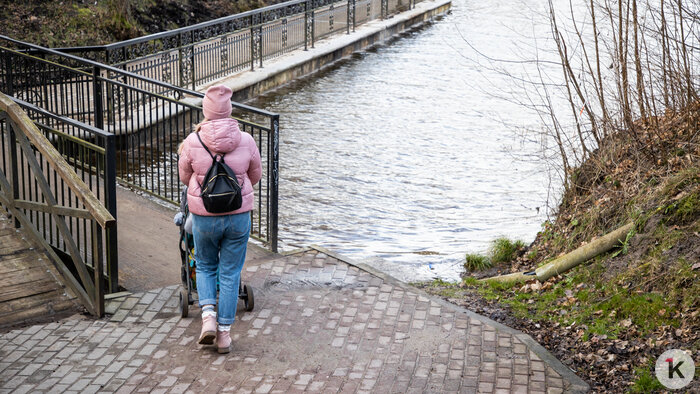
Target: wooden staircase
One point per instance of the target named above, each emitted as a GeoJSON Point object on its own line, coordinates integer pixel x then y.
{"type": "Point", "coordinates": [30, 289]}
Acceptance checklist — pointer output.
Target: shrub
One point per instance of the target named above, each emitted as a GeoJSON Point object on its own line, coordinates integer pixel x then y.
{"type": "Point", "coordinates": [503, 249]}
{"type": "Point", "coordinates": [477, 262]}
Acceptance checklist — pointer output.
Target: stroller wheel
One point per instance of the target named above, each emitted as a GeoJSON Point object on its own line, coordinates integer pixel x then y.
{"type": "Point", "coordinates": [249, 299]}
{"type": "Point", "coordinates": [184, 305]}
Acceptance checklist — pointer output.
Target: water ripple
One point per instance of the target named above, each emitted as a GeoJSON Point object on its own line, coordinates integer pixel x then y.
{"type": "Point", "coordinates": [401, 149]}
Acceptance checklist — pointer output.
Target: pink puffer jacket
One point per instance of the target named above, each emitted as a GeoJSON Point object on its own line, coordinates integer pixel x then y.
{"type": "Point", "coordinates": [221, 136]}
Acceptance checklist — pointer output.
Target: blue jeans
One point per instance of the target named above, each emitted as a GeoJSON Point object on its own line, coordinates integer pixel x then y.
{"type": "Point", "coordinates": [220, 243]}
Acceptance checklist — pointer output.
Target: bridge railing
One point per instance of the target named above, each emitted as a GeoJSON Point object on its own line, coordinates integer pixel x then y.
{"type": "Point", "coordinates": [195, 55]}
{"type": "Point", "coordinates": [56, 187]}
{"type": "Point", "coordinates": [148, 118]}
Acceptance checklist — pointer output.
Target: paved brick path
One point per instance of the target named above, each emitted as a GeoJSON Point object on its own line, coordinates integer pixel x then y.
{"type": "Point", "coordinates": [320, 324]}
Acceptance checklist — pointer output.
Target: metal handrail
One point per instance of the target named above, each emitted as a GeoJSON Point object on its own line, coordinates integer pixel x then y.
{"type": "Point", "coordinates": [123, 73]}
{"type": "Point", "coordinates": [186, 29]}
{"type": "Point", "coordinates": [138, 111]}
{"type": "Point", "coordinates": [63, 119]}
{"type": "Point", "coordinates": [204, 52]}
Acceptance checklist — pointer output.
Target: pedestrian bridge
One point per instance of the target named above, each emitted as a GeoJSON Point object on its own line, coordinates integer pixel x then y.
{"type": "Point", "coordinates": [88, 141]}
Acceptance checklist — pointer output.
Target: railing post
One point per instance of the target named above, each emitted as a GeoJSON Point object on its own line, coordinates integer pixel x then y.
{"type": "Point", "coordinates": [354, 17]}
{"type": "Point", "coordinates": [194, 76]}
{"type": "Point", "coordinates": [348, 11]}
{"type": "Point", "coordinates": [313, 28]}
{"type": "Point", "coordinates": [186, 60]}
{"type": "Point", "coordinates": [111, 205]}
{"type": "Point", "coordinates": [9, 83]}
{"type": "Point", "coordinates": [309, 24]}
{"type": "Point", "coordinates": [252, 43]}
{"type": "Point", "coordinates": [181, 64]}
{"type": "Point", "coordinates": [111, 103]}
{"type": "Point", "coordinates": [385, 8]}
{"type": "Point", "coordinates": [97, 97]}
{"type": "Point", "coordinates": [260, 42]}
{"type": "Point", "coordinates": [274, 180]}
{"type": "Point", "coordinates": [99, 296]}
{"type": "Point", "coordinates": [306, 25]}
{"type": "Point", "coordinates": [14, 162]}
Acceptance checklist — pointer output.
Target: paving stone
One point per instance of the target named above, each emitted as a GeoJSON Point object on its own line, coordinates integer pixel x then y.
{"type": "Point", "coordinates": [357, 334]}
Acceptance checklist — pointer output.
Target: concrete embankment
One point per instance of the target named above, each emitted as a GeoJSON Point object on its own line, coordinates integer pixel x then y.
{"type": "Point", "coordinates": [300, 63]}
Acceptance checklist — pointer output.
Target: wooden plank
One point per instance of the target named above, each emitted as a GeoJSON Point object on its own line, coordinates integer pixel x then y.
{"type": "Point", "coordinates": [12, 246]}
{"type": "Point", "coordinates": [19, 261]}
{"type": "Point", "coordinates": [26, 272]}
{"type": "Point", "coordinates": [28, 289]}
{"type": "Point", "coordinates": [55, 209]}
{"type": "Point", "coordinates": [43, 311]}
{"type": "Point", "coordinates": [29, 273]}
{"type": "Point", "coordinates": [5, 231]}
{"type": "Point", "coordinates": [70, 280]}
{"type": "Point", "coordinates": [29, 302]}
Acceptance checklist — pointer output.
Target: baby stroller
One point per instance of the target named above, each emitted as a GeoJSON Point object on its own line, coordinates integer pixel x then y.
{"type": "Point", "coordinates": [187, 270]}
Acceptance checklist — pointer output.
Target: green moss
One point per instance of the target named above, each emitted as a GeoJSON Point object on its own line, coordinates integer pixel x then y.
{"type": "Point", "coordinates": [685, 210]}
{"type": "Point", "coordinates": [684, 285]}
{"type": "Point", "coordinates": [645, 381]}
{"type": "Point", "coordinates": [440, 287]}
{"type": "Point", "coordinates": [598, 306]}
{"type": "Point", "coordinates": [477, 262]}
{"type": "Point", "coordinates": [665, 239]}
{"type": "Point", "coordinates": [84, 13]}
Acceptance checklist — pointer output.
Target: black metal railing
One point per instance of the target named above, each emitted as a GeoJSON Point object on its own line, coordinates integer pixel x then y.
{"type": "Point", "coordinates": [196, 55]}
{"type": "Point", "coordinates": [147, 117]}
{"type": "Point", "coordinates": [59, 188]}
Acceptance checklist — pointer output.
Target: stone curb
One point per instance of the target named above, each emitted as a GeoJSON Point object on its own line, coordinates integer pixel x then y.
{"type": "Point", "coordinates": [576, 384]}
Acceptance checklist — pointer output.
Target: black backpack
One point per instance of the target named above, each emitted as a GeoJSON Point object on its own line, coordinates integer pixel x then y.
{"type": "Point", "coordinates": [220, 191]}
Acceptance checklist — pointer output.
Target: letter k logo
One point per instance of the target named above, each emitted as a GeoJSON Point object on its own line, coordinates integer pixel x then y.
{"type": "Point", "coordinates": [674, 369]}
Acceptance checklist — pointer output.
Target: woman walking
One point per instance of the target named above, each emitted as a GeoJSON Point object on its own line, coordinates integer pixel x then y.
{"type": "Point", "coordinates": [220, 239]}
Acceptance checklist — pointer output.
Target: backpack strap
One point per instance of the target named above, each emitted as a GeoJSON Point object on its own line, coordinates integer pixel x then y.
{"type": "Point", "coordinates": [207, 149]}
{"type": "Point", "coordinates": [210, 154]}
{"type": "Point", "coordinates": [212, 157]}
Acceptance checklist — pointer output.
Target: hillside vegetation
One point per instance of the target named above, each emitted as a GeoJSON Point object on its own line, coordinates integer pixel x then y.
{"type": "Point", "coordinates": [81, 23]}
{"type": "Point", "coordinates": [630, 155]}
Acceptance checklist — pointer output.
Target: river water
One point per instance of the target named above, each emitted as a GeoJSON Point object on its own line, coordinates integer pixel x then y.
{"type": "Point", "coordinates": [407, 156]}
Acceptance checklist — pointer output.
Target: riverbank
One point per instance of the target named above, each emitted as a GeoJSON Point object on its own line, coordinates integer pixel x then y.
{"type": "Point", "coordinates": [611, 318]}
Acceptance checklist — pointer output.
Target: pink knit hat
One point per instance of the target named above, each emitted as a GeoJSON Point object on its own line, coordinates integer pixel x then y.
{"type": "Point", "coordinates": [217, 102]}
